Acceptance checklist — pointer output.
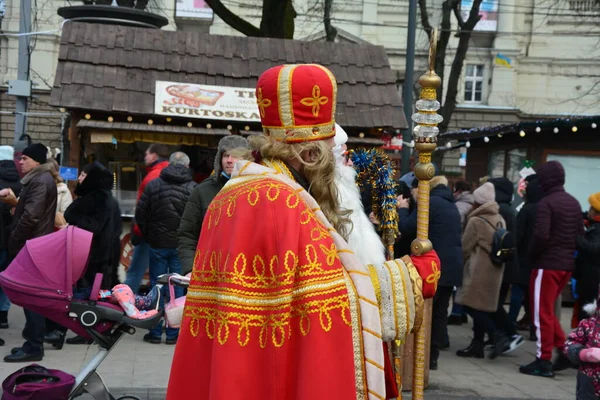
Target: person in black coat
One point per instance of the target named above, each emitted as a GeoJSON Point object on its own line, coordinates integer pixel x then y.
{"type": "Point", "coordinates": [9, 179]}
{"type": "Point", "coordinates": [523, 235]}
{"type": "Point", "coordinates": [158, 214]}
{"type": "Point", "coordinates": [95, 210]}
{"type": "Point", "coordinates": [445, 235]}
{"type": "Point", "coordinates": [587, 264]}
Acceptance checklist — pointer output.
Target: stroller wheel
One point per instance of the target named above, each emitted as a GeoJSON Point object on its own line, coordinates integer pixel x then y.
{"type": "Point", "coordinates": [128, 397]}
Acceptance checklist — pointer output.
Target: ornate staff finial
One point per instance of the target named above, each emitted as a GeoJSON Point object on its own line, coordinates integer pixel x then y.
{"type": "Point", "coordinates": [425, 134]}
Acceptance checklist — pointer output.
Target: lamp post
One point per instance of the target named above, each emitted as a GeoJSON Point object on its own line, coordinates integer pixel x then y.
{"type": "Point", "coordinates": [425, 136]}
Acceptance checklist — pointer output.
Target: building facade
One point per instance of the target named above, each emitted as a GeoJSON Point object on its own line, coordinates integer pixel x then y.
{"type": "Point", "coordinates": [521, 64]}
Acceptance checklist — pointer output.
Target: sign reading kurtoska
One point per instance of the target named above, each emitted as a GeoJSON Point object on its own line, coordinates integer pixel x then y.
{"type": "Point", "coordinates": [188, 100]}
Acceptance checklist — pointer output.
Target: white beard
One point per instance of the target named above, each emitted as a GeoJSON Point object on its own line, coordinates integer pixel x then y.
{"type": "Point", "coordinates": [363, 240]}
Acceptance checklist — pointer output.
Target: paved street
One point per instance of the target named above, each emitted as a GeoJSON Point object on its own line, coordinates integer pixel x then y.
{"type": "Point", "coordinates": [142, 369]}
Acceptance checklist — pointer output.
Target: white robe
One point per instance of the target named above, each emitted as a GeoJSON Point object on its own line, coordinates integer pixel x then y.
{"type": "Point", "coordinates": [363, 240]}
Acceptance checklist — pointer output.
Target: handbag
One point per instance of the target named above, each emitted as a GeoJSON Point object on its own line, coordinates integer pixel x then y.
{"type": "Point", "coordinates": [174, 308]}
{"type": "Point", "coordinates": [35, 382]}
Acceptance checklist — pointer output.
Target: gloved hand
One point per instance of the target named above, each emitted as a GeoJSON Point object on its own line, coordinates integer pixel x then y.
{"type": "Point", "coordinates": [590, 355]}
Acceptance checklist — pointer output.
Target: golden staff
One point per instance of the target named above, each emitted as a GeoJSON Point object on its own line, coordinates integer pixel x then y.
{"type": "Point", "coordinates": [425, 136]}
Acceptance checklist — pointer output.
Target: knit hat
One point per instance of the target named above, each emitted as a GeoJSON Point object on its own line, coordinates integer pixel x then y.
{"type": "Point", "coordinates": [7, 153]}
{"type": "Point", "coordinates": [485, 193]}
{"type": "Point", "coordinates": [37, 152]}
{"type": "Point", "coordinates": [595, 201]}
{"type": "Point", "coordinates": [228, 143]}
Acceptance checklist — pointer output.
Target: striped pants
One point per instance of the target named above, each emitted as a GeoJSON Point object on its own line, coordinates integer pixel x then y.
{"type": "Point", "coordinates": [544, 288]}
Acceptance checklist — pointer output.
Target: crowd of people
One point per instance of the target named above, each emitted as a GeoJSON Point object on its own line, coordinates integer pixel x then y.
{"type": "Point", "coordinates": [549, 246]}
{"type": "Point", "coordinates": [37, 202]}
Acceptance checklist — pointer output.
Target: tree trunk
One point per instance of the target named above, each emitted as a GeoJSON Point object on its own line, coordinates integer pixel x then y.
{"type": "Point", "coordinates": [442, 45]}
{"type": "Point", "coordinates": [330, 31]}
{"type": "Point", "coordinates": [237, 23]}
{"type": "Point", "coordinates": [278, 19]}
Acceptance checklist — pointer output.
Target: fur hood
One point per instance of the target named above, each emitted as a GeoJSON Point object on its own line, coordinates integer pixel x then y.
{"type": "Point", "coordinates": [226, 144]}
{"type": "Point", "coordinates": [363, 240]}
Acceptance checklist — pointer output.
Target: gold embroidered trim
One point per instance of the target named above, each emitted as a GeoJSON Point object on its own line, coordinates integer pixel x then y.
{"type": "Point", "coordinates": [376, 286]}
{"type": "Point", "coordinates": [417, 283]}
{"type": "Point", "coordinates": [218, 322]}
{"type": "Point", "coordinates": [353, 271]}
{"type": "Point", "coordinates": [408, 294]}
{"type": "Point", "coordinates": [284, 94]}
{"type": "Point", "coordinates": [373, 303]}
{"type": "Point", "coordinates": [373, 363]}
{"type": "Point", "coordinates": [357, 340]}
{"type": "Point", "coordinates": [377, 335]}
{"type": "Point", "coordinates": [388, 320]}
{"type": "Point", "coordinates": [398, 296]}
{"type": "Point", "coordinates": [215, 269]}
{"type": "Point", "coordinates": [263, 302]}
{"type": "Point", "coordinates": [376, 395]}
{"type": "Point", "coordinates": [244, 168]}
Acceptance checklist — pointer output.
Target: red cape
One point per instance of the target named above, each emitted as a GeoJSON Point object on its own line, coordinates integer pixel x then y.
{"type": "Point", "coordinates": [267, 314]}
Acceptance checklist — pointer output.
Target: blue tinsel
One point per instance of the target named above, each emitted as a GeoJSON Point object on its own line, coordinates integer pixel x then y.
{"type": "Point", "coordinates": [374, 166]}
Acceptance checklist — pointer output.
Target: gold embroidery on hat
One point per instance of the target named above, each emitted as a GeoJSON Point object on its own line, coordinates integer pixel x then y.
{"type": "Point", "coordinates": [262, 103]}
{"type": "Point", "coordinates": [316, 101]}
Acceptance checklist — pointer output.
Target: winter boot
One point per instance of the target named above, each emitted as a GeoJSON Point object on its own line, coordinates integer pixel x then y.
{"type": "Point", "coordinates": [475, 350]}
{"type": "Point", "coordinates": [538, 368]}
{"type": "Point", "coordinates": [3, 319]}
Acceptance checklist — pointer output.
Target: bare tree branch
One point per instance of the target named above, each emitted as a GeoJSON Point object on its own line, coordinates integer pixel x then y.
{"type": "Point", "coordinates": [330, 30]}
{"type": "Point", "coordinates": [457, 65]}
{"type": "Point", "coordinates": [231, 19]}
{"type": "Point", "coordinates": [425, 18]}
{"type": "Point", "coordinates": [459, 19]}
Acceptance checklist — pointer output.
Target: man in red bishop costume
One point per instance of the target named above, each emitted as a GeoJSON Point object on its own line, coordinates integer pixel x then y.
{"type": "Point", "coordinates": [279, 307]}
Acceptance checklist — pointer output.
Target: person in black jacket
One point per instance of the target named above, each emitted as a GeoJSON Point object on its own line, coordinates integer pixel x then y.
{"type": "Point", "coordinates": [203, 194]}
{"type": "Point", "coordinates": [97, 211]}
{"type": "Point", "coordinates": [445, 235]}
{"type": "Point", "coordinates": [158, 215]}
{"type": "Point", "coordinates": [504, 196]}
{"type": "Point", "coordinates": [523, 235]}
{"type": "Point", "coordinates": [587, 264]}
{"type": "Point", "coordinates": [34, 217]}
{"type": "Point", "coordinates": [9, 179]}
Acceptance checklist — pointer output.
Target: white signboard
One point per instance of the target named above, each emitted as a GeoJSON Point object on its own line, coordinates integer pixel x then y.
{"type": "Point", "coordinates": [488, 10]}
{"type": "Point", "coordinates": [197, 9]}
{"type": "Point", "coordinates": [205, 101]}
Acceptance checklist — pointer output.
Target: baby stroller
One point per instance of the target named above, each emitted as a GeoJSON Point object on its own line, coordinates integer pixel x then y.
{"type": "Point", "coordinates": [41, 279]}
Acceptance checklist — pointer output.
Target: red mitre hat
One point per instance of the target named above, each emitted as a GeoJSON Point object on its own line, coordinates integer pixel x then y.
{"type": "Point", "coordinates": [297, 103]}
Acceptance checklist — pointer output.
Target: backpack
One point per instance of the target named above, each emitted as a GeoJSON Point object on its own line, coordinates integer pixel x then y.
{"type": "Point", "coordinates": [503, 244]}
{"type": "Point", "coordinates": [35, 382]}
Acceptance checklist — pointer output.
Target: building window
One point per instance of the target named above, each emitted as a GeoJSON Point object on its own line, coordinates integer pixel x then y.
{"type": "Point", "coordinates": [474, 83]}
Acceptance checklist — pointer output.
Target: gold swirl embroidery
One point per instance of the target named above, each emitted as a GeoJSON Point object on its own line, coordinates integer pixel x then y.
{"type": "Point", "coordinates": [218, 322]}
{"type": "Point", "coordinates": [330, 253]}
